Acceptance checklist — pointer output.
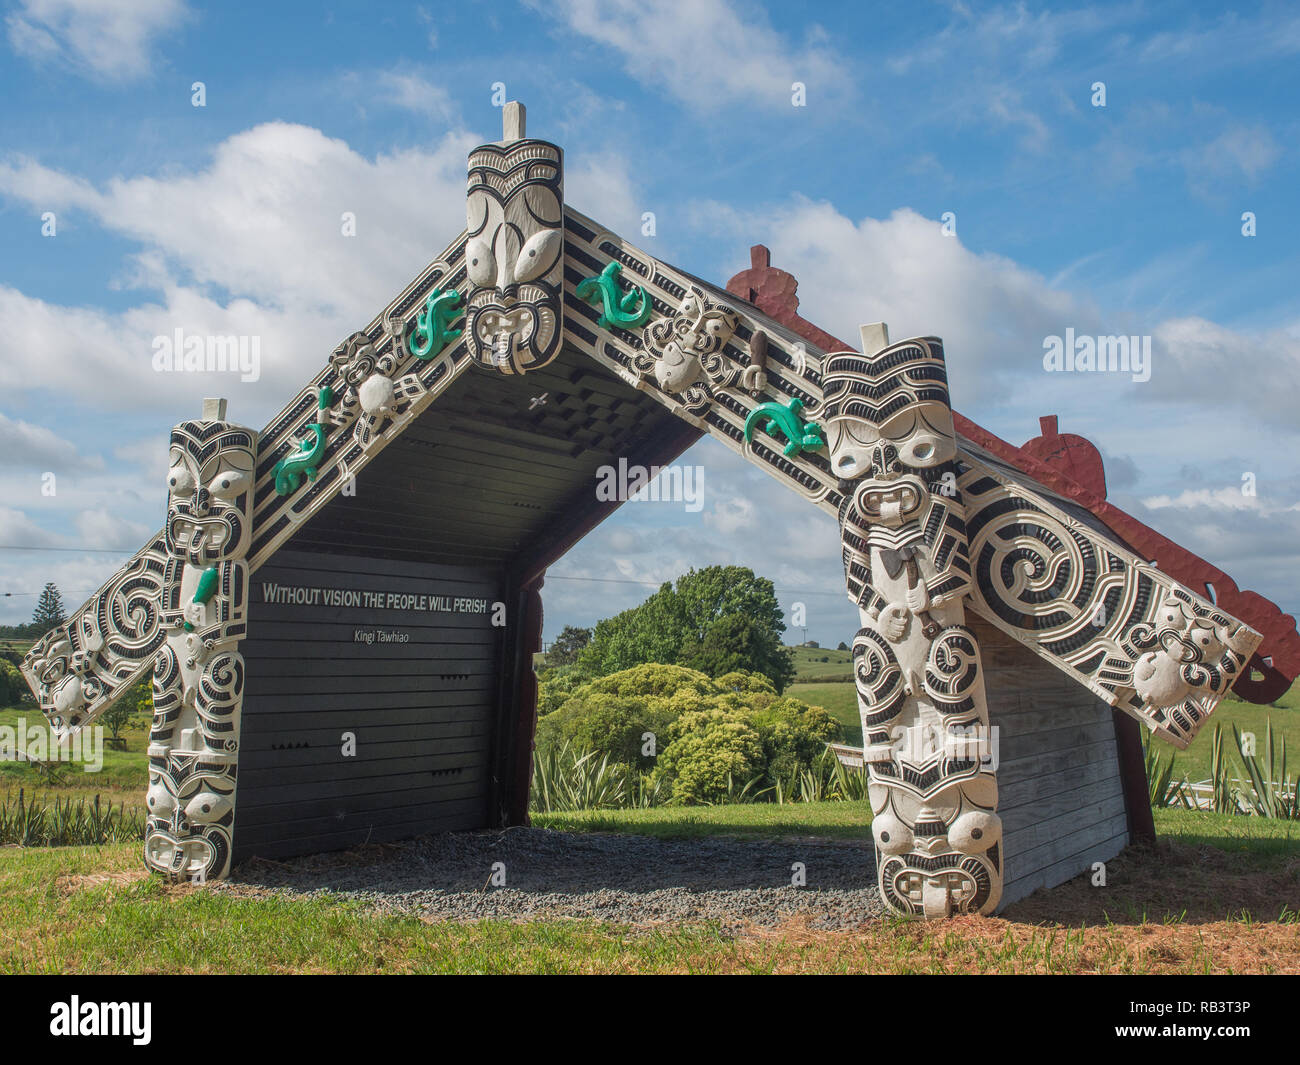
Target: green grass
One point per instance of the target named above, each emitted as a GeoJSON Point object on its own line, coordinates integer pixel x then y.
{"type": "Point", "coordinates": [1255, 837]}
{"type": "Point", "coordinates": [122, 778]}
{"type": "Point", "coordinates": [88, 909]}
{"type": "Point", "coordinates": [839, 699]}
{"type": "Point", "coordinates": [810, 667]}
{"type": "Point", "coordinates": [838, 820]}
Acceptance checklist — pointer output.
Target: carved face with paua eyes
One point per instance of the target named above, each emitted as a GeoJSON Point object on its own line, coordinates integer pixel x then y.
{"type": "Point", "coordinates": [888, 411]}
{"type": "Point", "coordinates": [210, 491]}
{"type": "Point", "coordinates": [515, 255]}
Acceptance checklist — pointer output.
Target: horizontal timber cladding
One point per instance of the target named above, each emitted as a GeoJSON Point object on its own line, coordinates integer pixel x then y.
{"type": "Point", "coordinates": [402, 656]}
{"type": "Point", "coordinates": [1060, 791]}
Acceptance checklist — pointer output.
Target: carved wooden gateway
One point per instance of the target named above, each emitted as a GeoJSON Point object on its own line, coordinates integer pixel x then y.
{"type": "Point", "coordinates": [1003, 602]}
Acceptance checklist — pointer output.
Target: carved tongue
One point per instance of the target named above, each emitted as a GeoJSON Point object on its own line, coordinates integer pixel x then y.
{"type": "Point", "coordinates": [501, 349]}
{"type": "Point", "coordinates": [935, 899]}
{"type": "Point", "coordinates": [891, 510]}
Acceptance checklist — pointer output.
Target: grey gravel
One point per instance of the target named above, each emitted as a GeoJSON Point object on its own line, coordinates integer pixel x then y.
{"type": "Point", "coordinates": [622, 879]}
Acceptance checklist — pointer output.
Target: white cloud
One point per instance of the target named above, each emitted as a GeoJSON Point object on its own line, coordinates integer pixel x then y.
{"type": "Point", "coordinates": [111, 40]}
{"type": "Point", "coordinates": [264, 218]}
{"type": "Point", "coordinates": [36, 447]}
{"type": "Point", "coordinates": [104, 529]}
{"type": "Point", "coordinates": [18, 530]}
{"type": "Point", "coordinates": [601, 186]}
{"type": "Point", "coordinates": [412, 91]}
{"type": "Point", "coordinates": [1239, 151]}
{"type": "Point", "coordinates": [251, 245]}
{"type": "Point", "coordinates": [705, 53]}
{"type": "Point", "coordinates": [994, 314]}
{"type": "Point", "coordinates": [1228, 496]}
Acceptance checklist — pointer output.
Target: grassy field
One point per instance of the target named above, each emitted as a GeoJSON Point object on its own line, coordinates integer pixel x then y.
{"type": "Point", "coordinates": [840, 700]}
{"type": "Point", "coordinates": [1209, 898]}
{"type": "Point", "coordinates": [810, 667]}
{"type": "Point", "coordinates": [121, 779]}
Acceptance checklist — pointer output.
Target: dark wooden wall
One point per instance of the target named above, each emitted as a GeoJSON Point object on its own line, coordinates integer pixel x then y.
{"type": "Point", "coordinates": [422, 712]}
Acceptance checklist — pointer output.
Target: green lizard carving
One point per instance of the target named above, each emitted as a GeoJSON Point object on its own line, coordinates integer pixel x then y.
{"type": "Point", "coordinates": [800, 435]}
{"type": "Point", "coordinates": [430, 334]}
{"type": "Point", "coordinates": [618, 306]}
{"type": "Point", "coordinates": [289, 470]}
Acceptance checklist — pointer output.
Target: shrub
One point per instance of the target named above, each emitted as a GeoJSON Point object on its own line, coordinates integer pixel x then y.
{"type": "Point", "coordinates": [12, 684]}
{"type": "Point", "coordinates": [714, 738]}
{"type": "Point", "coordinates": [794, 736]}
{"type": "Point", "coordinates": [708, 753]}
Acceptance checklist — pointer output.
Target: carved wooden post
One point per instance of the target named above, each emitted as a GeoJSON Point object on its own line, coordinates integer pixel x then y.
{"type": "Point", "coordinates": [916, 664]}
{"type": "Point", "coordinates": [514, 254]}
{"type": "Point", "coordinates": [198, 679]}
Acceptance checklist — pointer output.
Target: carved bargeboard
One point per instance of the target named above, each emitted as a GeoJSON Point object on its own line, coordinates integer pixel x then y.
{"type": "Point", "coordinates": [1117, 624]}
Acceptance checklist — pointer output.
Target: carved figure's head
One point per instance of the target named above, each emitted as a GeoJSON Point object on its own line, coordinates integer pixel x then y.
{"type": "Point", "coordinates": [888, 412]}
{"type": "Point", "coordinates": [1184, 653]}
{"type": "Point", "coordinates": [210, 491]}
{"type": "Point", "coordinates": [686, 347]}
{"type": "Point", "coordinates": [515, 254]}
{"type": "Point", "coordinates": [190, 822]}
{"type": "Point", "coordinates": [941, 855]}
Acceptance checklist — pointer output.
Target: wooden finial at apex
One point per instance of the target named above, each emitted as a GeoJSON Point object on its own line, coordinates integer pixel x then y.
{"type": "Point", "coordinates": [214, 410]}
{"type": "Point", "coordinates": [513, 121]}
{"type": "Point", "coordinates": [875, 337]}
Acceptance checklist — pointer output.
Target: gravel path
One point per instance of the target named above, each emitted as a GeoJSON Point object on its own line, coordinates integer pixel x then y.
{"type": "Point", "coordinates": [618, 878]}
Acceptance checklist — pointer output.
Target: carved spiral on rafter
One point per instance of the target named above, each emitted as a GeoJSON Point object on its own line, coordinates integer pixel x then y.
{"type": "Point", "coordinates": [127, 611]}
{"type": "Point", "coordinates": [1034, 572]}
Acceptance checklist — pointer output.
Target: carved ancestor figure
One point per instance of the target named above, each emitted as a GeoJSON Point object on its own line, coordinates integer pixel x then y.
{"type": "Point", "coordinates": [514, 254]}
{"type": "Point", "coordinates": [370, 395]}
{"type": "Point", "coordinates": [1184, 661]}
{"type": "Point", "coordinates": [684, 352]}
{"type": "Point", "coordinates": [198, 680]}
{"type": "Point", "coordinates": [916, 664]}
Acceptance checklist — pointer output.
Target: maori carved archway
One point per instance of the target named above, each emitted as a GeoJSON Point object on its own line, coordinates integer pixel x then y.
{"type": "Point", "coordinates": [935, 527]}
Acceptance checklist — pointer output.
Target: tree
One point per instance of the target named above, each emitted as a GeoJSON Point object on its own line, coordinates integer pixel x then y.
{"type": "Point", "coordinates": [49, 612]}
{"type": "Point", "coordinates": [737, 642]}
{"type": "Point", "coordinates": [713, 738]}
{"type": "Point", "coordinates": [567, 646]}
{"type": "Point", "coordinates": [651, 632]}
{"type": "Point", "coordinates": [842, 646]}
{"type": "Point", "coordinates": [115, 719]}
{"type": "Point", "coordinates": [674, 624]}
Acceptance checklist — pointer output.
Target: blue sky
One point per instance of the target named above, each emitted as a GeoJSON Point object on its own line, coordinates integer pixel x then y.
{"type": "Point", "coordinates": [1122, 219]}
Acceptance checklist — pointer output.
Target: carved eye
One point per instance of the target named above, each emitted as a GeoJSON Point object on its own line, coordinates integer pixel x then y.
{"type": "Point", "coordinates": [892, 835]}
{"type": "Point", "coordinates": [206, 807]}
{"type": "Point", "coordinates": [975, 832]}
{"type": "Point", "coordinates": [229, 484]}
{"type": "Point", "coordinates": [480, 263]}
{"type": "Point", "coordinates": [539, 254]}
{"type": "Point", "coordinates": [180, 481]}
